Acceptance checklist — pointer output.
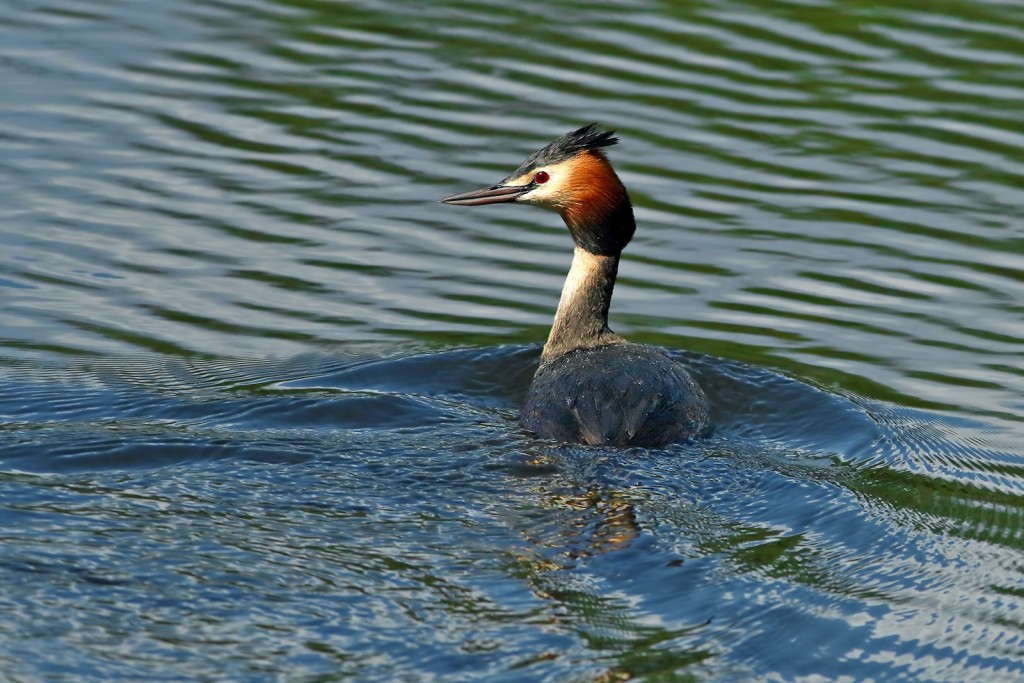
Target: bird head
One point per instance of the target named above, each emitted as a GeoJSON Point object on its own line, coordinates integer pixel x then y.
{"type": "Point", "coordinates": [573, 177]}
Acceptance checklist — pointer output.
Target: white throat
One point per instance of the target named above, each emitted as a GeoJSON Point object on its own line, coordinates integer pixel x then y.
{"type": "Point", "coordinates": [582, 317]}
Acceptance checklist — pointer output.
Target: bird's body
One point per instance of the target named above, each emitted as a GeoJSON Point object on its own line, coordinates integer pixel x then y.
{"type": "Point", "coordinates": [592, 386]}
{"type": "Point", "coordinates": [617, 394]}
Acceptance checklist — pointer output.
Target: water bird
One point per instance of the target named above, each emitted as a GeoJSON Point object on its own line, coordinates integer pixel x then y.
{"type": "Point", "coordinates": [592, 386]}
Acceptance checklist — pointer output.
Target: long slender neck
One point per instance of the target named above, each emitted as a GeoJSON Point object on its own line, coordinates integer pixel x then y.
{"type": "Point", "coordinates": [582, 317]}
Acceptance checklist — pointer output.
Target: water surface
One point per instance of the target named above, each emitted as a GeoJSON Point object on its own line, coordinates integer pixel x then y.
{"type": "Point", "coordinates": [258, 389]}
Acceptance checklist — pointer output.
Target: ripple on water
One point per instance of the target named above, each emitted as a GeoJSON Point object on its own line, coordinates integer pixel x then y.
{"type": "Point", "coordinates": [258, 390]}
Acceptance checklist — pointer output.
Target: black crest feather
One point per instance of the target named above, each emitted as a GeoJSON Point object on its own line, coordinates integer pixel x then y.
{"type": "Point", "coordinates": [589, 137]}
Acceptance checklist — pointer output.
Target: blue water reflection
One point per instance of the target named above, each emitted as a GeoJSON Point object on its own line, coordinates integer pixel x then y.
{"type": "Point", "coordinates": [258, 390]}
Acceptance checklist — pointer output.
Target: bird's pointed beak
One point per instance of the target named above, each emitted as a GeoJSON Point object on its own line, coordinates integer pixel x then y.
{"type": "Point", "coordinates": [488, 195]}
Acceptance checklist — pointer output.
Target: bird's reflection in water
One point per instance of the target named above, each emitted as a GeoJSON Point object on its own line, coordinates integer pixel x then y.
{"type": "Point", "coordinates": [604, 521]}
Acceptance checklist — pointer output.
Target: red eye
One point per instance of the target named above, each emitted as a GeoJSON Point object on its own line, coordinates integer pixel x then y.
{"type": "Point", "coordinates": [540, 177]}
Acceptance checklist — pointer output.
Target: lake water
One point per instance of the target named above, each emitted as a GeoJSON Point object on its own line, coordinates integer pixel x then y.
{"type": "Point", "coordinates": [258, 388]}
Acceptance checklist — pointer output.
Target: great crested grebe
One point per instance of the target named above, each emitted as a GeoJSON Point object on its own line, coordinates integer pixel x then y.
{"type": "Point", "coordinates": [592, 385]}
